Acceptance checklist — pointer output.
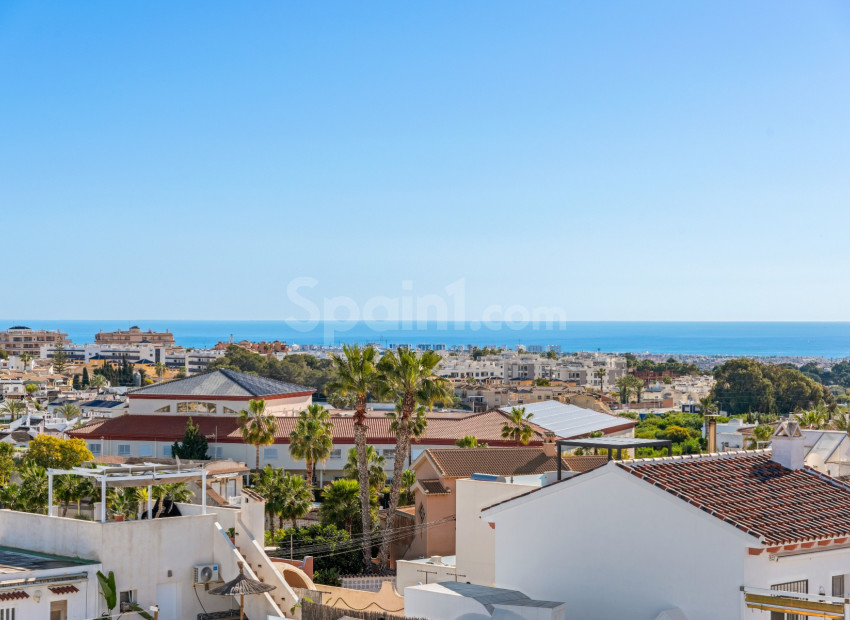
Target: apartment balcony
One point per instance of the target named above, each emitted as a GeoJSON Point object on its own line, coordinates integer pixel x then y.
{"type": "Point", "coordinates": [802, 604]}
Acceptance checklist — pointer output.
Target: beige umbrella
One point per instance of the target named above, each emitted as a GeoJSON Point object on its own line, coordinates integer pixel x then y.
{"type": "Point", "coordinates": [240, 586]}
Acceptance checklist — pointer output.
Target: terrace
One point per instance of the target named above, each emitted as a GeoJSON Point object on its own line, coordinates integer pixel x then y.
{"type": "Point", "coordinates": [143, 475]}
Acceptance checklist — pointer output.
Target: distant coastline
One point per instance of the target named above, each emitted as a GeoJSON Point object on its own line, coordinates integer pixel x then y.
{"type": "Point", "coordinates": [761, 339]}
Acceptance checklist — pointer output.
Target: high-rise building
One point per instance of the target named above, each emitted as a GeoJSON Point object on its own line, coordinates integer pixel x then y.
{"type": "Point", "coordinates": [135, 335]}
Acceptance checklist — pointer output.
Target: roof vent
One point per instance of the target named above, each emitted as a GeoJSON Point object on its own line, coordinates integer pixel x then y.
{"type": "Point", "coordinates": [788, 445]}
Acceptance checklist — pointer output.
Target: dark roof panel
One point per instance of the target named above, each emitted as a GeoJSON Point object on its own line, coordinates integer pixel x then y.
{"type": "Point", "coordinates": [222, 383]}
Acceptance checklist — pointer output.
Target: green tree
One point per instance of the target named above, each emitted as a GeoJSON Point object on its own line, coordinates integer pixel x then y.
{"type": "Point", "coordinates": [516, 427]}
{"type": "Point", "coordinates": [7, 462]}
{"type": "Point", "coordinates": [296, 498]}
{"type": "Point", "coordinates": [26, 359]}
{"type": "Point", "coordinates": [356, 377]}
{"type": "Point", "coordinates": [69, 411]}
{"type": "Point", "coordinates": [761, 435]}
{"type": "Point", "coordinates": [600, 374]}
{"type": "Point", "coordinates": [376, 472]}
{"type": "Point", "coordinates": [159, 370]}
{"type": "Point", "coordinates": [13, 408]}
{"type": "Point", "coordinates": [408, 479]}
{"type": "Point", "coordinates": [48, 451]}
{"type": "Point", "coordinates": [98, 382]}
{"type": "Point", "coordinates": [410, 379]}
{"type": "Point", "coordinates": [70, 488]}
{"type": "Point", "coordinates": [257, 426]}
{"type": "Point", "coordinates": [628, 385]}
{"type": "Point", "coordinates": [194, 444]}
{"type": "Point", "coordinates": [744, 386]}
{"type": "Point", "coordinates": [311, 440]}
{"type": "Point", "coordinates": [85, 380]}
{"type": "Point", "coordinates": [341, 504]}
{"type": "Point", "coordinates": [174, 492]}
{"type": "Point", "coordinates": [469, 441]}
{"type": "Point", "coordinates": [60, 358]}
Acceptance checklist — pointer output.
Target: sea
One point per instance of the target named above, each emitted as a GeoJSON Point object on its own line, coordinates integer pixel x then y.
{"type": "Point", "coordinates": [767, 339]}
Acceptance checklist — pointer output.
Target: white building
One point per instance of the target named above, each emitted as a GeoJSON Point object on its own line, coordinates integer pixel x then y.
{"type": "Point", "coordinates": [156, 561]}
{"type": "Point", "coordinates": [736, 535]}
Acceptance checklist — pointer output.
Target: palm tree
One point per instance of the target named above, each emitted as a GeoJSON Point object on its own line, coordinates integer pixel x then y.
{"type": "Point", "coordinates": [98, 381]}
{"type": "Point", "coordinates": [296, 498]}
{"type": "Point", "coordinates": [175, 492]}
{"type": "Point", "coordinates": [600, 373]}
{"type": "Point", "coordinates": [159, 369]}
{"type": "Point", "coordinates": [33, 488]}
{"type": "Point", "coordinates": [411, 380]}
{"type": "Point", "coordinates": [68, 411]}
{"type": "Point", "coordinates": [408, 479]}
{"type": "Point", "coordinates": [13, 408]}
{"type": "Point", "coordinates": [469, 441]}
{"type": "Point", "coordinates": [311, 440]}
{"type": "Point", "coordinates": [707, 406]}
{"type": "Point", "coordinates": [517, 427]}
{"type": "Point", "coordinates": [357, 376]}
{"type": "Point", "coordinates": [376, 473]}
{"type": "Point", "coordinates": [26, 358]}
{"type": "Point", "coordinates": [812, 418]}
{"type": "Point", "coordinates": [841, 421]}
{"type": "Point", "coordinates": [268, 485]}
{"type": "Point", "coordinates": [340, 504]}
{"type": "Point", "coordinates": [70, 488]}
{"type": "Point", "coordinates": [257, 426]}
{"type": "Point", "coordinates": [761, 435]}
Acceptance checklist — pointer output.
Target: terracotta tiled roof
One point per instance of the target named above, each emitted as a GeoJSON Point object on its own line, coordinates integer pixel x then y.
{"type": "Point", "coordinates": [584, 463]}
{"type": "Point", "coordinates": [463, 462]}
{"type": "Point", "coordinates": [433, 487]}
{"type": "Point", "coordinates": [63, 589]}
{"type": "Point", "coordinates": [486, 427]}
{"type": "Point", "coordinates": [13, 595]}
{"type": "Point", "coordinates": [754, 493]}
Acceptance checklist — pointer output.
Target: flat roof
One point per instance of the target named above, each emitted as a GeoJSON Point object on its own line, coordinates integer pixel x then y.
{"type": "Point", "coordinates": [570, 420]}
{"type": "Point", "coordinates": [20, 561]}
{"type": "Point", "coordinates": [614, 442]}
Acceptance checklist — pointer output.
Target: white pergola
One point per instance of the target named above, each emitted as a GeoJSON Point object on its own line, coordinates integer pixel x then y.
{"type": "Point", "coordinates": [146, 474]}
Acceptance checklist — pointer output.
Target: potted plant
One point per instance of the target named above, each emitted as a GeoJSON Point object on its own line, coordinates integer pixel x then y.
{"type": "Point", "coordinates": [120, 504]}
{"type": "Point", "coordinates": [231, 534]}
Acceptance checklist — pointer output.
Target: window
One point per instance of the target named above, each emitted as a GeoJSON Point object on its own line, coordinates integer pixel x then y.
{"type": "Point", "coordinates": [195, 407]}
{"type": "Point", "coordinates": [389, 453]}
{"type": "Point", "coordinates": [336, 454]}
{"type": "Point", "coordinates": [270, 453]}
{"type": "Point", "coordinates": [166, 409]}
{"type": "Point", "coordinates": [95, 450]}
{"type": "Point", "coordinates": [145, 449]}
{"type": "Point", "coordinates": [7, 613]}
{"type": "Point", "coordinates": [838, 585]}
{"type": "Point", "coordinates": [166, 451]}
{"type": "Point", "coordinates": [123, 449]}
{"type": "Point", "coordinates": [800, 587]}
{"type": "Point", "coordinates": [228, 409]}
{"type": "Point", "coordinates": [126, 597]}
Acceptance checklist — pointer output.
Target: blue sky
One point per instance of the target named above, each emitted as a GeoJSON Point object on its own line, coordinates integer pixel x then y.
{"type": "Point", "coordinates": [618, 160]}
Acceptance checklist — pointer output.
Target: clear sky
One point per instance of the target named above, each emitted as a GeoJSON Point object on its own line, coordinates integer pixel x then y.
{"type": "Point", "coordinates": [619, 160]}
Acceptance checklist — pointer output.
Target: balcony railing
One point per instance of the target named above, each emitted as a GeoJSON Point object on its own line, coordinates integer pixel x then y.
{"type": "Point", "coordinates": [814, 605]}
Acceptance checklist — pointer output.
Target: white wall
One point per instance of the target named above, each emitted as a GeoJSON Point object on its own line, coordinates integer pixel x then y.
{"type": "Point", "coordinates": [141, 553]}
{"type": "Point", "coordinates": [474, 538]}
{"type": "Point", "coordinates": [81, 604]}
{"type": "Point", "coordinates": [613, 546]}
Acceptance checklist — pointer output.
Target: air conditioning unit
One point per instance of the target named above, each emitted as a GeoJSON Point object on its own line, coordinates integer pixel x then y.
{"type": "Point", "coordinates": [205, 573]}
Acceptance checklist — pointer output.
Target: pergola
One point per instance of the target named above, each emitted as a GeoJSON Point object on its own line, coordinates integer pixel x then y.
{"type": "Point", "coordinates": [611, 443]}
{"type": "Point", "coordinates": [147, 474]}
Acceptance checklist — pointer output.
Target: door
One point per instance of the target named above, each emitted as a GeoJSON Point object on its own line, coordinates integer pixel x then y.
{"type": "Point", "coordinates": [58, 610]}
{"type": "Point", "coordinates": [168, 599]}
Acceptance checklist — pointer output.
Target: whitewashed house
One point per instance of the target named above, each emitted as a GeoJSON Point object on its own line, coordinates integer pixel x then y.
{"type": "Point", "coordinates": [733, 535]}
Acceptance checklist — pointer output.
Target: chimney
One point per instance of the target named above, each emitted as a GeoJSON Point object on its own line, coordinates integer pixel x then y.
{"type": "Point", "coordinates": [711, 431]}
{"type": "Point", "coordinates": [549, 447]}
{"type": "Point", "coordinates": [788, 446]}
